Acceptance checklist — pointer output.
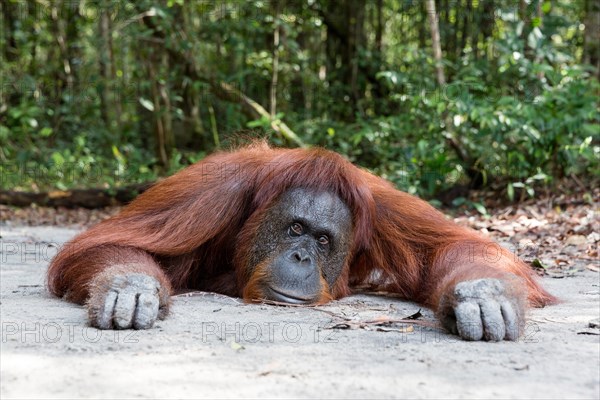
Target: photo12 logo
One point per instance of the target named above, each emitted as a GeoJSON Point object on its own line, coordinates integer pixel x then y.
{"type": "Point", "coordinates": [64, 332]}
{"type": "Point", "coordinates": [270, 332]}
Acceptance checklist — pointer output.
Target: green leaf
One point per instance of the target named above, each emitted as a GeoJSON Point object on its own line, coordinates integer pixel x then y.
{"type": "Point", "coordinates": [436, 203]}
{"type": "Point", "coordinates": [480, 208]}
{"type": "Point", "coordinates": [117, 154]}
{"type": "Point", "coordinates": [46, 131]}
{"type": "Point", "coordinates": [236, 346]}
{"type": "Point", "coordinates": [57, 158]}
{"type": "Point", "coordinates": [591, 129]}
{"type": "Point", "coordinates": [546, 7]}
{"type": "Point", "coordinates": [257, 123]}
{"type": "Point", "coordinates": [537, 263]}
{"type": "Point", "coordinates": [459, 201]}
{"type": "Point", "coordinates": [540, 177]}
{"type": "Point", "coordinates": [4, 132]}
{"type": "Point", "coordinates": [147, 104]}
{"type": "Point", "coordinates": [534, 37]}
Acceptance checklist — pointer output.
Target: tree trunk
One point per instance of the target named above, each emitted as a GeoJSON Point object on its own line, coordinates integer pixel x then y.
{"type": "Point", "coordinates": [489, 18]}
{"type": "Point", "coordinates": [591, 53]}
{"type": "Point", "coordinates": [9, 13]}
{"type": "Point", "coordinates": [467, 15]}
{"type": "Point", "coordinates": [526, 19]}
{"type": "Point", "coordinates": [300, 92]}
{"type": "Point", "coordinates": [540, 15]}
{"type": "Point", "coordinates": [379, 27]}
{"type": "Point", "coordinates": [275, 65]}
{"type": "Point", "coordinates": [159, 128]}
{"type": "Point", "coordinates": [104, 67]}
{"type": "Point", "coordinates": [72, 47]}
{"type": "Point", "coordinates": [345, 36]}
{"type": "Point", "coordinates": [355, 43]}
{"type": "Point", "coordinates": [435, 41]}
{"type": "Point", "coordinates": [33, 66]}
{"type": "Point", "coordinates": [423, 24]}
{"type": "Point", "coordinates": [476, 22]}
{"type": "Point", "coordinates": [190, 133]}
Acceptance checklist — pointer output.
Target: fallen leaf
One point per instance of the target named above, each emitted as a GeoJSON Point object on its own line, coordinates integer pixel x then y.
{"type": "Point", "coordinates": [593, 267]}
{"type": "Point", "coordinates": [416, 315]}
{"type": "Point", "coordinates": [236, 346]}
{"type": "Point", "coordinates": [593, 237]}
{"type": "Point", "coordinates": [575, 240]}
{"type": "Point", "coordinates": [403, 329]}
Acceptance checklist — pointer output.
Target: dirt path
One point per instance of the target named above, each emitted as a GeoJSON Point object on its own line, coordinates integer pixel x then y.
{"type": "Point", "coordinates": [214, 346]}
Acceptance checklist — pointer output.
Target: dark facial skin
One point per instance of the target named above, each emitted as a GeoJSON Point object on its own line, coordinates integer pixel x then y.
{"type": "Point", "coordinates": [305, 235]}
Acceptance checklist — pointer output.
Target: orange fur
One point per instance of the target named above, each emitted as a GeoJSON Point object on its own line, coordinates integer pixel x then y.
{"type": "Point", "coordinates": [252, 290]}
{"type": "Point", "coordinates": [197, 226]}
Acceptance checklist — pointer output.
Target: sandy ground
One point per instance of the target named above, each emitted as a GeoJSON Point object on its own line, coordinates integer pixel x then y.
{"type": "Point", "coordinates": [216, 347]}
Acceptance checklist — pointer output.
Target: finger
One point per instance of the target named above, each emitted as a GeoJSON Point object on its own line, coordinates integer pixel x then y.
{"type": "Point", "coordinates": [511, 321]}
{"type": "Point", "coordinates": [493, 322]}
{"type": "Point", "coordinates": [146, 311]}
{"type": "Point", "coordinates": [468, 321]}
{"type": "Point", "coordinates": [124, 310]}
{"type": "Point", "coordinates": [104, 318]}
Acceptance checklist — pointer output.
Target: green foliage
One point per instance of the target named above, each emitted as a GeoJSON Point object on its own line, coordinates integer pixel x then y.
{"type": "Point", "coordinates": [87, 107]}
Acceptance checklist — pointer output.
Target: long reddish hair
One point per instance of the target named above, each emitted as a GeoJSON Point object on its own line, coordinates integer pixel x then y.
{"type": "Point", "coordinates": [199, 223]}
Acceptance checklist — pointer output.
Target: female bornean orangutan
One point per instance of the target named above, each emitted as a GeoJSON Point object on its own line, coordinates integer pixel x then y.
{"type": "Point", "coordinates": [291, 225]}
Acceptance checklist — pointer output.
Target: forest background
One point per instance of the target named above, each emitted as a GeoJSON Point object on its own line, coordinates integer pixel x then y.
{"type": "Point", "coordinates": [434, 95]}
